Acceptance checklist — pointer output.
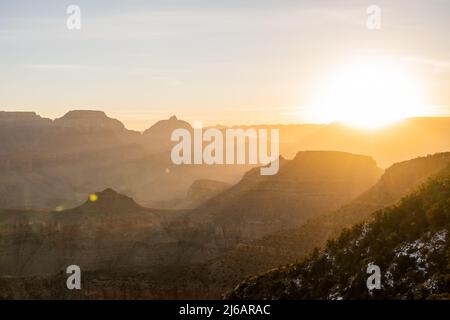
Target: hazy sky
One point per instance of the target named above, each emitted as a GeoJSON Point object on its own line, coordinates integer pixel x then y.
{"type": "Point", "coordinates": [233, 61]}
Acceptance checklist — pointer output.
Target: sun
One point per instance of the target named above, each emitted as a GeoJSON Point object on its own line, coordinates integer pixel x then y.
{"type": "Point", "coordinates": [368, 94]}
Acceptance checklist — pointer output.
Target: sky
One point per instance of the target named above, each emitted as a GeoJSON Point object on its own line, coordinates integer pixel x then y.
{"type": "Point", "coordinates": [216, 61]}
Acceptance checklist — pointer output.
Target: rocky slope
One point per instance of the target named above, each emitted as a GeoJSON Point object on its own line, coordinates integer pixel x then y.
{"type": "Point", "coordinates": [311, 184]}
{"type": "Point", "coordinates": [107, 233]}
{"type": "Point", "coordinates": [127, 251]}
{"type": "Point", "coordinates": [286, 246]}
{"type": "Point", "coordinates": [409, 242]}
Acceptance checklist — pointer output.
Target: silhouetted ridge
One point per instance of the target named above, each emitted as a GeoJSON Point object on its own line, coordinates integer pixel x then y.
{"type": "Point", "coordinates": [342, 158]}
{"type": "Point", "coordinates": [165, 127]}
{"type": "Point", "coordinates": [110, 195]}
{"type": "Point", "coordinates": [18, 115]}
{"type": "Point", "coordinates": [22, 118]}
{"type": "Point", "coordinates": [85, 114]}
{"type": "Point", "coordinates": [109, 201]}
{"type": "Point", "coordinates": [324, 164]}
{"type": "Point", "coordinates": [89, 118]}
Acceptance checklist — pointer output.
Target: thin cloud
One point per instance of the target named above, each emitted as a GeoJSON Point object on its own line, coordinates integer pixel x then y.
{"type": "Point", "coordinates": [57, 67]}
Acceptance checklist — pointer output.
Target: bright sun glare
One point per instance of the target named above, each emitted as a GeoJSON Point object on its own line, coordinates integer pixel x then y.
{"type": "Point", "coordinates": [369, 95]}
